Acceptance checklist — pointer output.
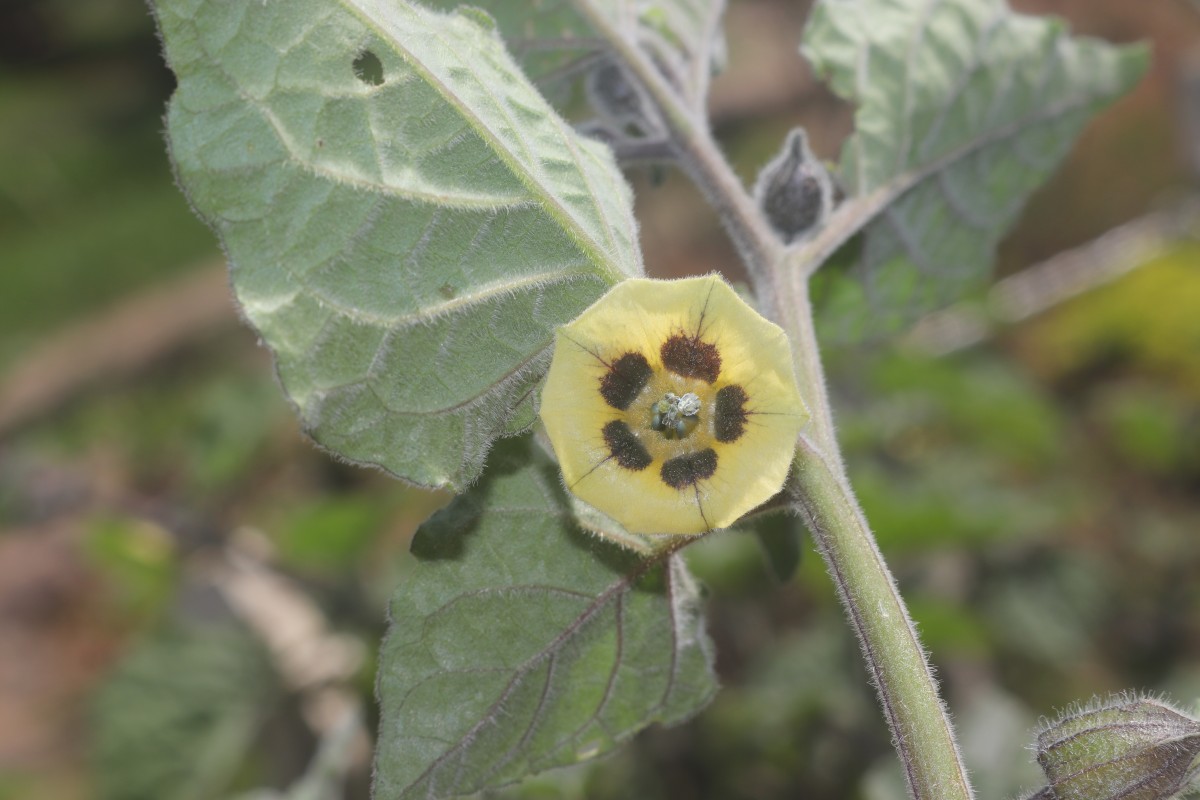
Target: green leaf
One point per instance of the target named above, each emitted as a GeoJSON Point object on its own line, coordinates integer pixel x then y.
{"type": "Point", "coordinates": [522, 643]}
{"type": "Point", "coordinates": [964, 109]}
{"type": "Point", "coordinates": [407, 220]}
{"type": "Point", "coordinates": [554, 43]}
{"type": "Point", "coordinates": [781, 537]}
{"type": "Point", "coordinates": [175, 719]}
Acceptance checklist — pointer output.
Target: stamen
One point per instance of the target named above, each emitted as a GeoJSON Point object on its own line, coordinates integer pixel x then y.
{"type": "Point", "coordinates": [674, 416]}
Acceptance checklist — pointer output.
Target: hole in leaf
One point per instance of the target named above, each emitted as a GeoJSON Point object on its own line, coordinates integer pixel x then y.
{"type": "Point", "coordinates": [368, 68]}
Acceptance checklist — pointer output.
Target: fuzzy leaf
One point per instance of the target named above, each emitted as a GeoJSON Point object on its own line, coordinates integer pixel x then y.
{"type": "Point", "coordinates": [964, 108]}
{"type": "Point", "coordinates": [522, 643]}
{"type": "Point", "coordinates": [551, 41]}
{"type": "Point", "coordinates": [554, 42]}
{"type": "Point", "coordinates": [406, 219]}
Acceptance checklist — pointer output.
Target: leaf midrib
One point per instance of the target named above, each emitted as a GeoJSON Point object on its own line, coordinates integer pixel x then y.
{"type": "Point", "coordinates": [594, 251]}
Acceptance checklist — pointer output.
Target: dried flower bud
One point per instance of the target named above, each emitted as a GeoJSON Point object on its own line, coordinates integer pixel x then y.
{"type": "Point", "coordinates": [598, 130]}
{"type": "Point", "coordinates": [618, 100]}
{"type": "Point", "coordinates": [1128, 747]}
{"type": "Point", "coordinates": [794, 189]}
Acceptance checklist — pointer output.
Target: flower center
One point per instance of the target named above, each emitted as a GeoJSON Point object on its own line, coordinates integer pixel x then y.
{"type": "Point", "coordinates": [675, 416]}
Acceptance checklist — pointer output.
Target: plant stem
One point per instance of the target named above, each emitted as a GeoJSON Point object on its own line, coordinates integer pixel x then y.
{"type": "Point", "coordinates": [921, 730]}
{"type": "Point", "coordinates": [760, 250]}
{"type": "Point", "coordinates": [920, 726]}
{"type": "Point", "coordinates": [789, 306]}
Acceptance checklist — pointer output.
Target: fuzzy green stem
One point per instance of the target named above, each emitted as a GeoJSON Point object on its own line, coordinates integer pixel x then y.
{"type": "Point", "coordinates": [908, 693]}
{"type": "Point", "coordinates": [921, 730]}
{"type": "Point", "coordinates": [920, 726]}
{"type": "Point", "coordinates": [789, 306]}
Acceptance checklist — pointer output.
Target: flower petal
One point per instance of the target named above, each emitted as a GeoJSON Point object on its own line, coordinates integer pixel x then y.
{"type": "Point", "coordinates": [643, 339]}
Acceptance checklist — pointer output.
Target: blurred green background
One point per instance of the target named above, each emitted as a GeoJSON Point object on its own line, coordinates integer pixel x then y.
{"type": "Point", "coordinates": [164, 529]}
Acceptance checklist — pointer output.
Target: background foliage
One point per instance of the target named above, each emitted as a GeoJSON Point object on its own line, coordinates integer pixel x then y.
{"type": "Point", "coordinates": [1036, 494]}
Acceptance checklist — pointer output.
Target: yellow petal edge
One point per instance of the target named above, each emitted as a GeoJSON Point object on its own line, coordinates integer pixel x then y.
{"type": "Point", "coordinates": [641, 341]}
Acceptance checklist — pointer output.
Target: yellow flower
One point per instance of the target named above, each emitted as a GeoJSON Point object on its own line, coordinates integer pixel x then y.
{"type": "Point", "coordinates": [672, 406]}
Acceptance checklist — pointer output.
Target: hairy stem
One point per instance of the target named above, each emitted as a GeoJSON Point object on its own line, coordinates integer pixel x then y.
{"type": "Point", "coordinates": [789, 306]}
{"type": "Point", "coordinates": [760, 250]}
{"type": "Point", "coordinates": [921, 729]}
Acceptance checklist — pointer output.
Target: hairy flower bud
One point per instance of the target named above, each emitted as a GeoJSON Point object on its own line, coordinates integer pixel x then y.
{"type": "Point", "coordinates": [794, 190]}
{"type": "Point", "coordinates": [1129, 747]}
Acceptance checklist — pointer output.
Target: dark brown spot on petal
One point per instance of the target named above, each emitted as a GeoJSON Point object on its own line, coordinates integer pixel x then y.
{"type": "Point", "coordinates": [692, 358]}
{"type": "Point", "coordinates": [625, 447]}
{"type": "Point", "coordinates": [624, 380]}
{"type": "Point", "coordinates": [729, 417]}
{"type": "Point", "coordinates": [688, 470]}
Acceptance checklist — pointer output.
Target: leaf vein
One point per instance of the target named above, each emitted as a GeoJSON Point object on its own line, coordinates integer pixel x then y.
{"type": "Point", "coordinates": [588, 614]}
{"type": "Point", "coordinates": [521, 170]}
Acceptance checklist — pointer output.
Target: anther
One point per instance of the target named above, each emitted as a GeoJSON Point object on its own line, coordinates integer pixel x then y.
{"type": "Point", "coordinates": [675, 416]}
